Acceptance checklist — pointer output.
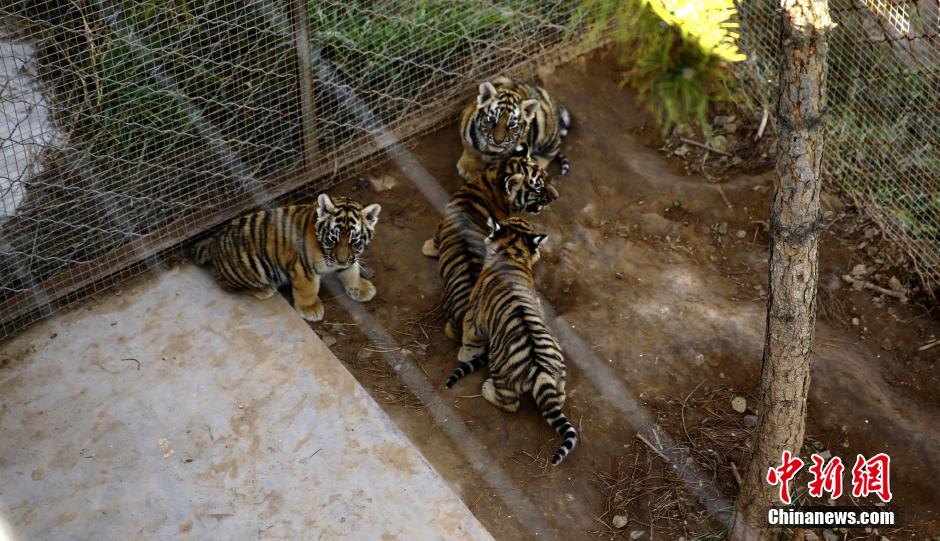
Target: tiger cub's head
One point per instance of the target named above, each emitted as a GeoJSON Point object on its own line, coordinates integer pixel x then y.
{"type": "Point", "coordinates": [344, 228]}
{"type": "Point", "coordinates": [513, 240]}
{"type": "Point", "coordinates": [502, 117]}
{"type": "Point", "coordinates": [523, 182]}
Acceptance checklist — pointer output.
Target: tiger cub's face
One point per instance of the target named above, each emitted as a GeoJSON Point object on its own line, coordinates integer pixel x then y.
{"type": "Point", "coordinates": [344, 229]}
{"type": "Point", "coordinates": [524, 182]}
{"type": "Point", "coordinates": [503, 117]}
{"type": "Point", "coordinates": [513, 240]}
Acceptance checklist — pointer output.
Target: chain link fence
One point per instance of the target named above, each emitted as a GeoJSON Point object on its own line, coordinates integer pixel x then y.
{"type": "Point", "coordinates": [130, 126]}
{"type": "Point", "coordinates": [883, 116]}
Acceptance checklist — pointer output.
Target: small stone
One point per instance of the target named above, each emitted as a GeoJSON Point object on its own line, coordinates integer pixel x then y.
{"type": "Point", "coordinates": [739, 404]}
{"type": "Point", "coordinates": [896, 285]}
{"type": "Point", "coordinates": [859, 270]}
{"type": "Point", "coordinates": [384, 183]}
{"type": "Point", "coordinates": [887, 344]}
{"type": "Point", "coordinates": [569, 496]}
{"type": "Point", "coordinates": [721, 120]}
{"type": "Point", "coordinates": [328, 339]}
{"type": "Point", "coordinates": [741, 234]}
{"type": "Point", "coordinates": [620, 521]}
{"type": "Point", "coordinates": [883, 538]}
{"type": "Point", "coordinates": [636, 534]}
{"type": "Point", "coordinates": [855, 322]}
{"type": "Point", "coordinates": [750, 421]}
{"type": "Point", "coordinates": [830, 535]}
{"type": "Point", "coordinates": [618, 275]}
{"type": "Point", "coordinates": [699, 359]}
{"type": "Point", "coordinates": [364, 354]}
{"type": "Point", "coordinates": [681, 151]}
{"type": "Point", "coordinates": [718, 142]}
{"type": "Point", "coordinates": [826, 454]}
{"type": "Point", "coordinates": [736, 161]}
{"type": "Point", "coordinates": [810, 535]}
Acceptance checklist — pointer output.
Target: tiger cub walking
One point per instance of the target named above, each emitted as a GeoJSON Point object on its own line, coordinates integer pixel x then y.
{"type": "Point", "coordinates": [295, 244]}
{"type": "Point", "coordinates": [513, 185]}
{"type": "Point", "coordinates": [505, 114]}
{"type": "Point", "coordinates": [505, 326]}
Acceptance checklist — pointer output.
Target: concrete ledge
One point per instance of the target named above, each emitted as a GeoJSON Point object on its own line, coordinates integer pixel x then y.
{"type": "Point", "coordinates": [177, 411]}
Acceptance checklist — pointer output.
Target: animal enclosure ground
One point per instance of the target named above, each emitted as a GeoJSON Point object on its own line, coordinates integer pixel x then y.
{"type": "Point", "coordinates": [657, 283]}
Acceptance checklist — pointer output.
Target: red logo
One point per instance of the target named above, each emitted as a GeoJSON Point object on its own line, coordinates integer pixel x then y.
{"type": "Point", "coordinates": [826, 478]}
{"type": "Point", "coordinates": [781, 476]}
{"type": "Point", "coordinates": [871, 476]}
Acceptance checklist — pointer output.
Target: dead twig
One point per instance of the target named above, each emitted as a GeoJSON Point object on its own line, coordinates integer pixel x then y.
{"type": "Point", "coordinates": [763, 124]}
{"type": "Point", "coordinates": [734, 472]}
{"type": "Point", "coordinates": [929, 345]}
{"type": "Point", "coordinates": [704, 146]}
{"type": "Point", "coordinates": [877, 289]}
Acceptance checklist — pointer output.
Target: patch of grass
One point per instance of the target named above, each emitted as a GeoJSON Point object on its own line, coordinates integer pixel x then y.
{"type": "Point", "coordinates": [675, 54]}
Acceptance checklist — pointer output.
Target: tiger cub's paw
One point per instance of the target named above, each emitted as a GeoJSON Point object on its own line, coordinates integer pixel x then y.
{"type": "Point", "coordinates": [430, 248]}
{"type": "Point", "coordinates": [468, 166]}
{"type": "Point", "coordinates": [263, 294]}
{"type": "Point", "coordinates": [312, 312]}
{"type": "Point", "coordinates": [364, 291]}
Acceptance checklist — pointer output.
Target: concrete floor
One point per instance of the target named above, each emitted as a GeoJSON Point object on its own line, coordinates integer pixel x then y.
{"type": "Point", "coordinates": [177, 411]}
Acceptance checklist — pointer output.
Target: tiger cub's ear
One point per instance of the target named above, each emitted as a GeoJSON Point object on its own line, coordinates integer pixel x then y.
{"type": "Point", "coordinates": [493, 225]}
{"type": "Point", "coordinates": [529, 108]}
{"type": "Point", "coordinates": [487, 91]}
{"type": "Point", "coordinates": [371, 213]}
{"type": "Point", "coordinates": [325, 205]}
{"type": "Point", "coordinates": [536, 240]}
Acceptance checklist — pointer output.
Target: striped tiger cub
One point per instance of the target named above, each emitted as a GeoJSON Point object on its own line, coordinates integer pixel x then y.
{"type": "Point", "coordinates": [505, 326]}
{"type": "Point", "coordinates": [295, 244]}
{"type": "Point", "coordinates": [505, 114]}
{"type": "Point", "coordinates": [513, 185]}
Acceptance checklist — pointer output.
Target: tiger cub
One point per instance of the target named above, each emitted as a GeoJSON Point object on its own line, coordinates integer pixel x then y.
{"type": "Point", "coordinates": [505, 326]}
{"type": "Point", "coordinates": [505, 114]}
{"type": "Point", "coordinates": [295, 244]}
{"type": "Point", "coordinates": [513, 185]}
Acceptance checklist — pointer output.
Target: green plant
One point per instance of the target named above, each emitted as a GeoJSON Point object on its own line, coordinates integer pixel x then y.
{"type": "Point", "coordinates": [675, 53]}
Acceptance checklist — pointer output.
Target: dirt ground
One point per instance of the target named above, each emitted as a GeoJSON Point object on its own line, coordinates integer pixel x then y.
{"type": "Point", "coordinates": [660, 308]}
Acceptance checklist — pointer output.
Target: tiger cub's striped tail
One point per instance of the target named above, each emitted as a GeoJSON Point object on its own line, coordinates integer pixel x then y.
{"type": "Point", "coordinates": [468, 367]}
{"type": "Point", "coordinates": [545, 392]}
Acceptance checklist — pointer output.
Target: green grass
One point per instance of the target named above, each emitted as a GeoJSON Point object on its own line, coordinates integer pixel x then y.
{"type": "Point", "coordinates": [677, 64]}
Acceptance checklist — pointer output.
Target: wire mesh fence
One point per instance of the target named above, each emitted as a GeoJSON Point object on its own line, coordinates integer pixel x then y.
{"type": "Point", "coordinates": [131, 126]}
{"type": "Point", "coordinates": [883, 115]}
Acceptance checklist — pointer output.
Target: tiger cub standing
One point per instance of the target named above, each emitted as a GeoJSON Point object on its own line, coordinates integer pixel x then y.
{"type": "Point", "coordinates": [513, 185]}
{"type": "Point", "coordinates": [296, 244]}
{"type": "Point", "coordinates": [505, 326]}
{"type": "Point", "coordinates": [507, 113]}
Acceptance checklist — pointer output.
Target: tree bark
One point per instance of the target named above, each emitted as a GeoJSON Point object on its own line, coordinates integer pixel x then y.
{"type": "Point", "coordinates": [795, 223]}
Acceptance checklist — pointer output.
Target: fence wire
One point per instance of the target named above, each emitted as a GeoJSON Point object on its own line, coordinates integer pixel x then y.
{"type": "Point", "coordinates": [130, 126]}
{"type": "Point", "coordinates": [883, 116]}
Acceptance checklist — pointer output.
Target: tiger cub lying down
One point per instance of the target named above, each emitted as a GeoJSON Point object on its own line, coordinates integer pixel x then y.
{"type": "Point", "coordinates": [513, 185]}
{"type": "Point", "coordinates": [295, 244]}
{"type": "Point", "coordinates": [505, 329]}
{"type": "Point", "coordinates": [505, 114]}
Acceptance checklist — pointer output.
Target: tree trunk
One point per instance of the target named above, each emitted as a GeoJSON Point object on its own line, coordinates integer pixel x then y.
{"type": "Point", "coordinates": [795, 223]}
